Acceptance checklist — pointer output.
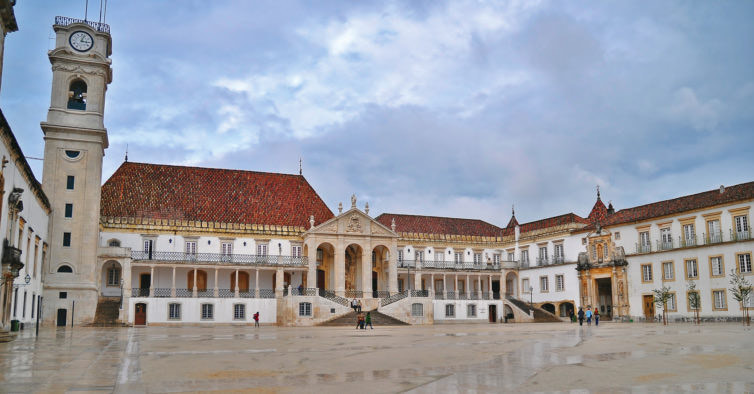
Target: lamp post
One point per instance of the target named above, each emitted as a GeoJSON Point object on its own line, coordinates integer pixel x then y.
{"type": "Point", "coordinates": [121, 293]}
{"type": "Point", "coordinates": [531, 296]}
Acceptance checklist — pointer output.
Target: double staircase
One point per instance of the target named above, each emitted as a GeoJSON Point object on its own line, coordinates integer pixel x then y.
{"type": "Point", "coordinates": [349, 319]}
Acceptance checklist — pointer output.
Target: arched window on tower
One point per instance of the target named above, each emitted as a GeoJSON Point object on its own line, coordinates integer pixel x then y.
{"type": "Point", "coordinates": [77, 95]}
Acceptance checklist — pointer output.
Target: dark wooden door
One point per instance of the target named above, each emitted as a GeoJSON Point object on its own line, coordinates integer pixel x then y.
{"type": "Point", "coordinates": [62, 317]}
{"type": "Point", "coordinates": [493, 313]}
{"type": "Point", "coordinates": [320, 279]}
{"type": "Point", "coordinates": [140, 315]}
{"type": "Point", "coordinates": [243, 281]}
{"type": "Point", "coordinates": [145, 281]}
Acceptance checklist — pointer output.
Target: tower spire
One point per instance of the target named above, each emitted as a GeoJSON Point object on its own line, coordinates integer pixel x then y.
{"type": "Point", "coordinates": [598, 192]}
{"type": "Point", "coordinates": [126, 153]}
{"type": "Point", "coordinates": [300, 166]}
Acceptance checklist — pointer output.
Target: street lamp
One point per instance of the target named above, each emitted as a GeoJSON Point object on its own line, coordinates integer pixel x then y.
{"type": "Point", "coordinates": [121, 293]}
{"type": "Point", "coordinates": [531, 296]}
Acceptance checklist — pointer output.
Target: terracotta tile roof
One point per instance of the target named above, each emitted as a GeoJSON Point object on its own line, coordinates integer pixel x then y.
{"type": "Point", "coordinates": [599, 212]}
{"type": "Point", "coordinates": [744, 191]}
{"type": "Point", "coordinates": [548, 222]}
{"type": "Point", "coordinates": [209, 194]}
{"type": "Point", "coordinates": [439, 225]}
{"type": "Point", "coordinates": [512, 223]}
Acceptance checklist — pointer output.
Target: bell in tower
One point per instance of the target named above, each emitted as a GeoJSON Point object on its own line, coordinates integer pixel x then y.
{"type": "Point", "coordinates": [75, 143]}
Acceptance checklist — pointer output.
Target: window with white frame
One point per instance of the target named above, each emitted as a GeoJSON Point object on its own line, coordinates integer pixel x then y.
{"type": "Point", "coordinates": [644, 240]}
{"type": "Point", "coordinates": [477, 258]}
{"type": "Point", "coordinates": [420, 256]}
{"type": "Point", "coordinates": [511, 256]}
{"type": "Point", "coordinates": [525, 285]}
{"type": "Point", "coordinates": [719, 296]}
{"type": "Point", "coordinates": [558, 252]}
{"type": "Point", "coordinates": [692, 269]}
{"type": "Point", "coordinates": [666, 236]}
{"type": "Point", "coordinates": [668, 271]}
{"type": "Point", "coordinates": [450, 310]}
{"type": "Point", "coordinates": [496, 258]}
{"type": "Point", "coordinates": [305, 309]}
{"type": "Point", "coordinates": [239, 312]}
{"type": "Point", "coordinates": [261, 249]}
{"type": "Point", "coordinates": [458, 257]}
{"type": "Point", "coordinates": [113, 276]}
{"type": "Point", "coordinates": [226, 248]}
{"type": "Point", "coordinates": [524, 256]}
{"type": "Point", "coordinates": [744, 263]}
{"type": "Point", "coordinates": [646, 273]}
{"type": "Point", "coordinates": [543, 253]}
{"type": "Point", "coordinates": [617, 235]}
{"type": "Point", "coordinates": [559, 283]}
{"type": "Point", "coordinates": [716, 266]}
{"type": "Point", "coordinates": [148, 245]}
{"type": "Point", "coordinates": [742, 226]}
{"type": "Point", "coordinates": [400, 256]}
{"type": "Point", "coordinates": [439, 256]}
{"type": "Point", "coordinates": [417, 309]}
{"type": "Point", "coordinates": [174, 311]}
{"type": "Point", "coordinates": [190, 247]}
{"type": "Point", "coordinates": [471, 310]}
{"type": "Point", "coordinates": [688, 232]}
{"type": "Point", "coordinates": [544, 285]}
{"type": "Point", "coordinates": [208, 311]}
{"type": "Point", "coordinates": [296, 251]}
{"type": "Point", "coordinates": [671, 302]}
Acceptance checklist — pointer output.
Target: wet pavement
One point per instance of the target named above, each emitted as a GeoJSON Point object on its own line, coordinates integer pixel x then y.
{"type": "Point", "coordinates": [557, 357]}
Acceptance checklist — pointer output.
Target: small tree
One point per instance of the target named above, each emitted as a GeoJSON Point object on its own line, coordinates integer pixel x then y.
{"type": "Point", "coordinates": [662, 296]}
{"type": "Point", "coordinates": [741, 290]}
{"type": "Point", "coordinates": [695, 301]}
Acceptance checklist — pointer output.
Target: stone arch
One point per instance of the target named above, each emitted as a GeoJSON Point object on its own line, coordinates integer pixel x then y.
{"type": "Point", "coordinates": [110, 278]}
{"type": "Point", "coordinates": [549, 307]}
{"type": "Point", "coordinates": [325, 259]}
{"type": "Point", "coordinates": [511, 284]}
{"type": "Point", "coordinates": [566, 308]}
{"type": "Point", "coordinates": [113, 242]}
{"type": "Point", "coordinates": [64, 268]}
{"type": "Point", "coordinates": [77, 90]}
{"type": "Point", "coordinates": [354, 253]}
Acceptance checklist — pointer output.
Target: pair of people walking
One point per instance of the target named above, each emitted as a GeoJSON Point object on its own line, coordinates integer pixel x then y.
{"type": "Point", "coordinates": [363, 321]}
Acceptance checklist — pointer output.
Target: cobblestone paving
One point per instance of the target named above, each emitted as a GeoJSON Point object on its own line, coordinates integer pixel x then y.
{"type": "Point", "coordinates": [442, 358]}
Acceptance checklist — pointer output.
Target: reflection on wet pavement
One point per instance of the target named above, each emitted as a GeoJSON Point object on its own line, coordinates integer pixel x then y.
{"type": "Point", "coordinates": [458, 359]}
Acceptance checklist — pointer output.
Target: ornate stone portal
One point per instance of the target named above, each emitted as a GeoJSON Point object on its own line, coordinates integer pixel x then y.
{"type": "Point", "coordinates": [602, 276]}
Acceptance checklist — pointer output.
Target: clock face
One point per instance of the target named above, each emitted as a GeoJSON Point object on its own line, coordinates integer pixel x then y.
{"type": "Point", "coordinates": [81, 41]}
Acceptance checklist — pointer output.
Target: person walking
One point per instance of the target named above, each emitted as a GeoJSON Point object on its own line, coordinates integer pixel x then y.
{"type": "Point", "coordinates": [589, 316]}
{"type": "Point", "coordinates": [581, 316]}
{"type": "Point", "coordinates": [368, 321]}
{"type": "Point", "coordinates": [360, 321]}
{"type": "Point", "coordinates": [256, 319]}
{"type": "Point", "coordinates": [597, 316]}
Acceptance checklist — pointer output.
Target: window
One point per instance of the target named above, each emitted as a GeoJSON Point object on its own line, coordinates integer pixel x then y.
{"type": "Point", "coordinates": [148, 244]}
{"type": "Point", "coordinates": [744, 263]}
{"type": "Point", "coordinates": [715, 235]}
{"type": "Point", "coordinates": [439, 256]}
{"type": "Point", "coordinates": [66, 239]}
{"type": "Point", "coordinates": [450, 310]}
{"type": "Point", "coordinates": [692, 269]}
{"type": "Point", "coordinates": [617, 235]}
{"type": "Point", "coordinates": [458, 257]}
{"type": "Point", "coordinates": [70, 182]}
{"type": "Point", "coordinates": [113, 242]}
{"type": "Point", "coordinates": [72, 153]}
{"type": "Point", "coordinates": [558, 251]}
{"type": "Point", "coordinates": [77, 95]}
{"type": "Point", "coordinates": [400, 256]}
{"type": "Point", "coordinates": [644, 242]}
{"type": "Point", "coordinates": [524, 256]}
{"type": "Point", "coordinates": [190, 247]}
{"type": "Point", "coordinates": [113, 276]}
{"type": "Point", "coordinates": [471, 310]}
{"type": "Point", "coordinates": [65, 269]}
{"type": "Point", "coordinates": [174, 311]}
{"type": "Point", "coordinates": [719, 298]}
{"type": "Point", "coordinates": [511, 256]}
{"type": "Point", "coordinates": [477, 258]}
{"type": "Point", "coordinates": [305, 309]}
{"type": "Point", "coordinates": [417, 309]}
{"type": "Point", "coordinates": [543, 253]}
{"type": "Point", "coordinates": [668, 271]}
{"type": "Point", "coordinates": [525, 285]}
{"type": "Point", "coordinates": [543, 284]}
{"type": "Point", "coordinates": [208, 311]}
{"type": "Point", "coordinates": [559, 283]}
{"type": "Point", "coordinates": [646, 272]}
{"type": "Point", "coordinates": [262, 249]}
{"type": "Point", "coordinates": [666, 238]}
{"type": "Point", "coordinates": [716, 266]}
{"type": "Point", "coordinates": [672, 307]}
{"type": "Point", "coordinates": [62, 295]}
{"type": "Point", "coordinates": [688, 234]}
{"type": "Point", "coordinates": [296, 252]}
{"type": "Point", "coordinates": [226, 248]}
{"type": "Point", "coordinates": [742, 226]}
{"type": "Point", "coordinates": [69, 210]}
{"type": "Point", "coordinates": [419, 255]}
{"type": "Point", "coordinates": [496, 258]}
{"type": "Point", "coordinates": [239, 311]}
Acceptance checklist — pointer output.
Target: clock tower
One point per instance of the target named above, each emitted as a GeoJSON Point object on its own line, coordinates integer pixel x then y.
{"type": "Point", "coordinates": [75, 142]}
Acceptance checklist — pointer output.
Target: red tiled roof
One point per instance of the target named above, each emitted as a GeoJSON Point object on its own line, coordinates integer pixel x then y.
{"type": "Point", "coordinates": [208, 194]}
{"type": "Point", "coordinates": [439, 225]}
{"type": "Point", "coordinates": [549, 222]}
{"type": "Point", "coordinates": [744, 191]}
{"type": "Point", "coordinates": [599, 212]}
{"type": "Point", "coordinates": [512, 223]}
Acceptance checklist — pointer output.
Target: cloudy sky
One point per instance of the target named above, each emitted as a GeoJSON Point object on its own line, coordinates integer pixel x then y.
{"type": "Point", "coordinates": [457, 108]}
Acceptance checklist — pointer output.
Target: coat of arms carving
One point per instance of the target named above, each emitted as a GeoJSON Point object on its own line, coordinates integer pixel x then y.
{"type": "Point", "coordinates": [354, 225]}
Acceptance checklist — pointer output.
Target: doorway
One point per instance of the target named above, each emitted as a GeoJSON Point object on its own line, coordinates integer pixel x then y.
{"type": "Point", "coordinates": [374, 284]}
{"type": "Point", "coordinates": [62, 317]}
{"type": "Point", "coordinates": [140, 314]}
{"type": "Point", "coordinates": [321, 279]}
{"type": "Point", "coordinates": [649, 307]}
{"type": "Point", "coordinates": [605, 298]}
{"type": "Point", "coordinates": [493, 313]}
{"type": "Point", "coordinates": [145, 282]}
{"type": "Point", "coordinates": [496, 289]}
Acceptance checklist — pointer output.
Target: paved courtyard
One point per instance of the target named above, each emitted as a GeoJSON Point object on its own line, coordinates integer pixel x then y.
{"type": "Point", "coordinates": [440, 358]}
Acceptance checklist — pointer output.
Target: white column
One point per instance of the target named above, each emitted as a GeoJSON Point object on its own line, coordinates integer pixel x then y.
{"type": "Point", "coordinates": [237, 291]}
{"type": "Point", "coordinates": [194, 282]}
{"type": "Point", "coordinates": [340, 269]}
{"type": "Point", "coordinates": [479, 290]}
{"type": "Point", "coordinates": [279, 282]}
{"type": "Point", "coordinates": [256, 283]}
{"type": "Point", "coordinates": [366, 273]}
{"type": "Point", "coordinates": [489, 285]}
{"type": "Point", "coordinates": [311, 260]}
{"type": "Point", "coordinates": [172, 289]}
{"type": "Point", "coordinates": [431, 286]}
{"type": "Point", "coordinates": [467, 286]}
{"type": "Point", "coordinates": [217, 292]}
{"type": "Point", "coordinates": [151, 281]}
{"type": "Point", "coordinates": [444, 285]}
{"type": "Point", "coordinates": [392, 283]}
{"type": "Point", "coordinates": [455, 285]}
{"type": "Point", "coordinates": [417, 280]}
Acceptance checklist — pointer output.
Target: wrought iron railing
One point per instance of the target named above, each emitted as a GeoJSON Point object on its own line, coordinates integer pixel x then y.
{"type": "Point", "coordinates": [354, 294]}
{"type": "Point", "coordinates": [643, 248]}
{"type": "Point", "coordinates": [449, 265]}
{"type": "Point", "coordinates": [205, 293]}
{"type": "Point", "coordinates": [686, 242]}
{"type": "Point", "coordinates": [65, 21]}
{"type": "Point", "coordinates": [461, 295]}
{"type": "Point", "coordinates": [558, 259]}
{"type": "Point", "coordinates": [486, 295]}
{"type": "Point", "coordinates": [439, 295]}
{"type": "Point", "coordinates": [419, 293]}
{"type": "Point", "coordinates": [715, 237]}
{"type": "Point", "coordinates": [450, 295]}
{"type": "Point", "coordinates": [393, 298]}
{"type": "Point", "coordinates": [218, 258]}
{"type": "Point", "coordinates": [139, 292]}
{"type": "Point", "coordinates": [380, 294]}
{"type": "Point", "coordinates": [184, 293]}
{"type": "Point", "coordinates": [226, 293]}
{"type": "Point", "coordinates": [473, 295]}
{"type": "Point", "coordinates": [304, 291]}
{"type": "Point", "coordinates": [162, 292]}
{"type": "Point", "coordinates": [704, 239]}
{"type": "Point", "coordinates": [744, 235]}
{"type": "Point", "coordinates": [665, 245]}
{"type": "Point", "coordinates": [543, 261]}
{"type": "Point", "coordinates": [330, 295]}
{"type": "Point", "coordinates": [266, 293]}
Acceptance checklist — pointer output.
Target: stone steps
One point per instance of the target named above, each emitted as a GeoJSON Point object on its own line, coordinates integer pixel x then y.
{"type": "Point", "coordinates": [540, 315]}
{"type": "Point", "coordinates": [6, 336]}
{"type": "Point", "coordinates": [378, 319]}
{"type": "Point", "coordinates": [108, 309]}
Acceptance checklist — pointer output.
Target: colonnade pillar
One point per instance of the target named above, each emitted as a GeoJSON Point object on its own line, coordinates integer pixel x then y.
{"type": "Point", "coordinates": [172, 288]}
{"type": "Point", "coordinates": [366, 273]}
{"type": "Point", "coordinates": [340, 269]}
